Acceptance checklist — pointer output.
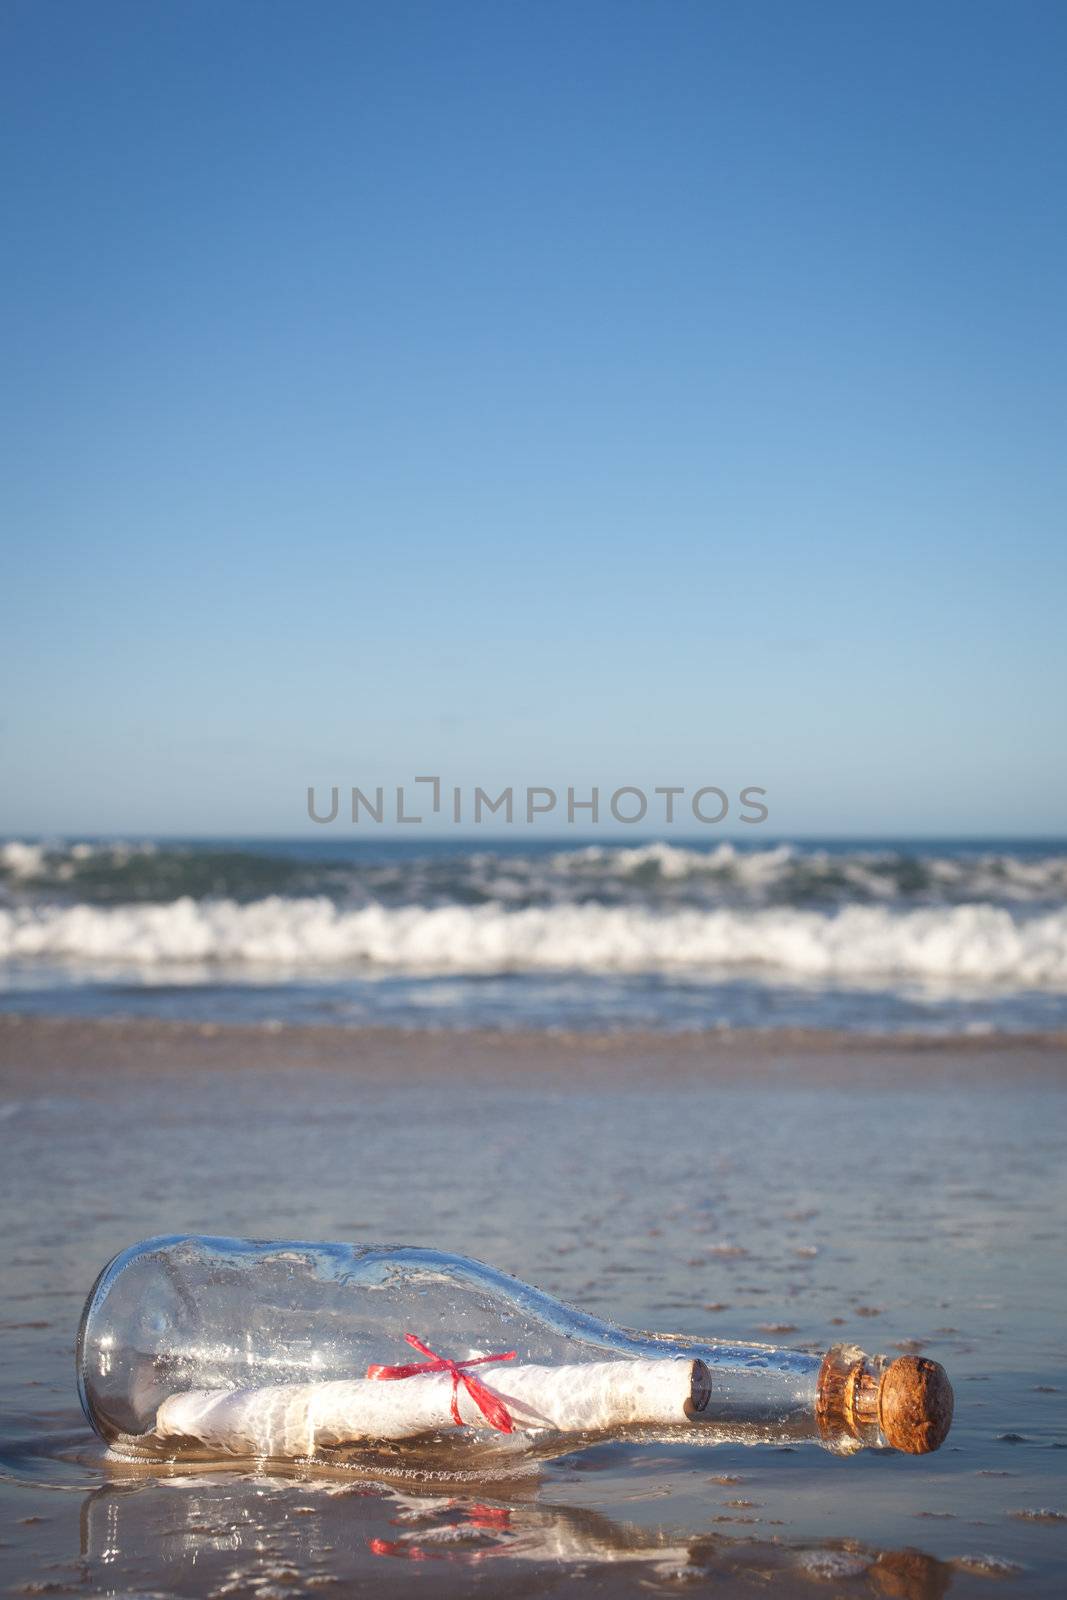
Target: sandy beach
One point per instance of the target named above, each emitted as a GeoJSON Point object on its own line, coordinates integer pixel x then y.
{"type": "Point", "coordinates": [794, 1187]}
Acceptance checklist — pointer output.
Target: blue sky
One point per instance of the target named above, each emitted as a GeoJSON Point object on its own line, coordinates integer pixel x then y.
{"type": "Point", "coordinates": [535, 393]}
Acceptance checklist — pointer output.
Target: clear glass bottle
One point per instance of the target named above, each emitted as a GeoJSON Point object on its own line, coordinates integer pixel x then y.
{"type": "Point", "coordinates": [214, 1317]}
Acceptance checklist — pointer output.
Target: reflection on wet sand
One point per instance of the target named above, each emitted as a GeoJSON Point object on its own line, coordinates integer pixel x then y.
{"type": "Point", "coordinates": [230, 1535]}
{"type": "Point", "coordinates": [671, 1188]}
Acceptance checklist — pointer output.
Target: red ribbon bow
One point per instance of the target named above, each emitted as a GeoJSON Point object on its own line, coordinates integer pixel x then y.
{"type": "Point", "coordinates": [492, 1409]}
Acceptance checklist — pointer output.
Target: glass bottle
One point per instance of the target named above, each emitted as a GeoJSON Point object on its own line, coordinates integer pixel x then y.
{"type": "Point", "coordinates": [182, 1322]}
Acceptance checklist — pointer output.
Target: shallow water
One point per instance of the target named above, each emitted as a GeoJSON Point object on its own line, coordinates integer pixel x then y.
{"type": "Point", "coordinates": [580, 1002]}
{"type": "Point", "coordinates": [780, 1208]}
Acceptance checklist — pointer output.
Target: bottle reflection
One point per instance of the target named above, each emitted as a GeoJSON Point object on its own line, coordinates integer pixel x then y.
{"type": "Point", "coordinates": [234, 1534]}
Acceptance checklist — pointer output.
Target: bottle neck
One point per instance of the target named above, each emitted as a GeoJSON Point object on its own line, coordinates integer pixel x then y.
{"type": "Point", "coordinates": [845, 1399]}
{"type": "Point", "coordinates": [758, 1391]}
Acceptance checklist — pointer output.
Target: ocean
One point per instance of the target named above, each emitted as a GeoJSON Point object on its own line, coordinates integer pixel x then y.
{"type": "Point", "coordinates": [877, 936]}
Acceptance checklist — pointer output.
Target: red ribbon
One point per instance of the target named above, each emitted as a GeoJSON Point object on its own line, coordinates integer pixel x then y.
{"type": "Point", "coordinates": [492, 1409]}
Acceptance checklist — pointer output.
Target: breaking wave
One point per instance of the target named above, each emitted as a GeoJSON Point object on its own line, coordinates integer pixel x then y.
{"type": "Point", "coordinates": [949, 944]}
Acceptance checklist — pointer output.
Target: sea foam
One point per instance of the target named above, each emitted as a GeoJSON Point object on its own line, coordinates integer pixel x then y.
{"type": "Point", "coordinates": [977, 943]}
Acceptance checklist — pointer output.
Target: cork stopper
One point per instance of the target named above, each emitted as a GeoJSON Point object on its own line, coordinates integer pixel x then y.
{"type": "Point", "coordinates": [915, 1404]}
{"type": "Point", "coordinates": [906, 1403]}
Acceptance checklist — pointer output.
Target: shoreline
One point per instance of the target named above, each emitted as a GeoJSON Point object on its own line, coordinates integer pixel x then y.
{"type": "Point", "coordinates": [32, 1042]}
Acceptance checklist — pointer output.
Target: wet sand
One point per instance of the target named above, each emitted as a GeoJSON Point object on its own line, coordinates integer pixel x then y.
{"type": "Point", "coordinates": [802, 1188]}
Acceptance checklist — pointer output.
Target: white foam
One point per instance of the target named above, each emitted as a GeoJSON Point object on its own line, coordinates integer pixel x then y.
{"type": "Point", "coordinates": [871, 873]}
{"type": "Point", "coordinates": [675, 862]}
{"type": "Point", "coordinates": [22, 860]}
{"type": "Point", "coordinates": [969, 943]}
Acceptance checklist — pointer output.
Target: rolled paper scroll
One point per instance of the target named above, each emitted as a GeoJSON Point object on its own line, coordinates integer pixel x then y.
{"type": "Point", "coordinates": [295, 1419]}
